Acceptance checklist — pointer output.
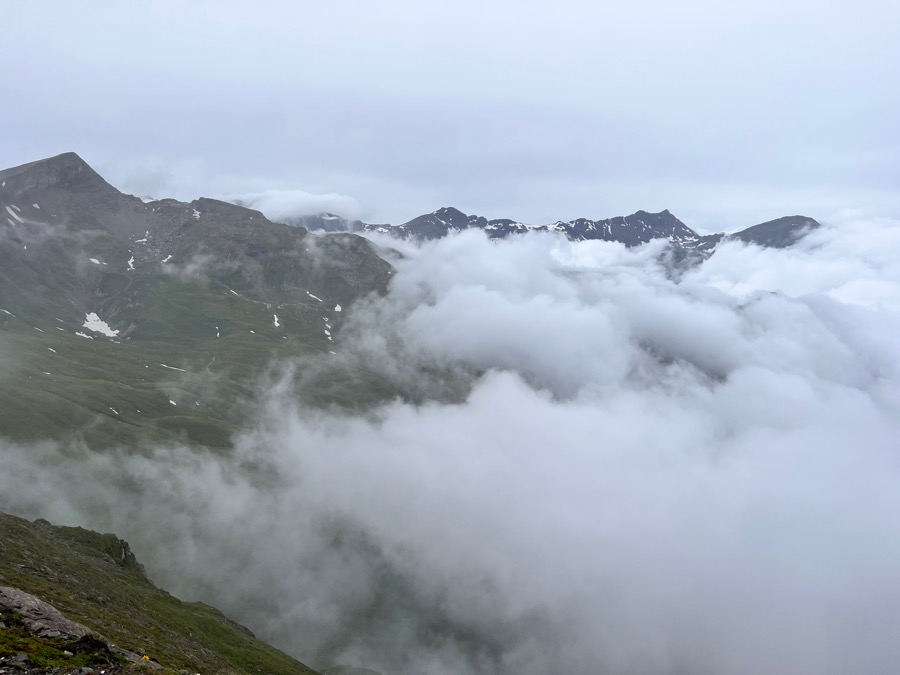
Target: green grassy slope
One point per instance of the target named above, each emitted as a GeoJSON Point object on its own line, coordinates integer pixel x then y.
{"type": "Point", "coordinates": [93, 579]}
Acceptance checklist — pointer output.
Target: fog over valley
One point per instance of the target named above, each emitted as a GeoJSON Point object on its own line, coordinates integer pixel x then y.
{"type": "Point", "coordinates": [638, 475]}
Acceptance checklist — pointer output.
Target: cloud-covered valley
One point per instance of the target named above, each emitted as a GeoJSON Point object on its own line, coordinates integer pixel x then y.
{"type": "Point", "coordinates": [641, 475]}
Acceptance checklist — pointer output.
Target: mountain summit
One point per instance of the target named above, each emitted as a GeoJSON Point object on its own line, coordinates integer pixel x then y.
{"type": "Point", "coordinates": [67, 170]}
{"type": "Point", "coordinates": [154, 320]}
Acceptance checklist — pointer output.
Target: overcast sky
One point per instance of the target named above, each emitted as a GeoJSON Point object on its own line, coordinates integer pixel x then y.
{"type": "Point", "coordinates": [725, 115]}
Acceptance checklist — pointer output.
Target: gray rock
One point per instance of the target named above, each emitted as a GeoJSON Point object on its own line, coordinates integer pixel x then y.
{"type": "Point", "coordinates": [41, 618]}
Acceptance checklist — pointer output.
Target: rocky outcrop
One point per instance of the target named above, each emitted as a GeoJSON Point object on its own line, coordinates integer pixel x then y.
{"type": "Point", "coordinates": [71, 598]}
{"type": "Point", "coordinates": [53, 631]}
{"type": "Point", "coordinates": [41, 618]}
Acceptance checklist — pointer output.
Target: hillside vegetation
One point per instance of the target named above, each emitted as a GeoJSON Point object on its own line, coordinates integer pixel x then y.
{"type": "Point", "coordinates": [94, 580]}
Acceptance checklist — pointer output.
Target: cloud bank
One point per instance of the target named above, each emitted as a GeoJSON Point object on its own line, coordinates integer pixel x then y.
{"type": "Point", "coordinates": [279, 205]}
{"type": "Point", "coordinates": [644, 476]}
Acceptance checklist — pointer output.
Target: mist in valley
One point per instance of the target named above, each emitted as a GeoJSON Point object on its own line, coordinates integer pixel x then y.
{"type": "Point", "coordinates": [637, 475]}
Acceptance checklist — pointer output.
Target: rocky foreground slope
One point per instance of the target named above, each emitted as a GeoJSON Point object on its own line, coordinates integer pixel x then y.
{"type": "Point", "coordinates": [72, 600]}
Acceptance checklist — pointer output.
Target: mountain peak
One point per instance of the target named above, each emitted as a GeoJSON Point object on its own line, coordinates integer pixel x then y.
{"type": "Point", "coordinates": [448, 210]}
{"type": "Point", "coordinates": [660, 214]}
{"type": "Point", "coordinates": [437, 223]}
{"type": "Point", "coordinates": [67, 170]}
{"type": "Point", "coordinates": [452, 216]}
{"type": "Point", "coordinates": [778, 233]}
{"type": "Point", "coordinates": [66, 161]}
{"type": "Point", "coordinates": [69, 158]}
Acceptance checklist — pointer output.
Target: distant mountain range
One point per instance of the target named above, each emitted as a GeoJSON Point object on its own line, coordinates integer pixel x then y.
{"type": "Point", "coordinates": [634, 230]}
{"type": "Point", "coordinates": [137, 318]}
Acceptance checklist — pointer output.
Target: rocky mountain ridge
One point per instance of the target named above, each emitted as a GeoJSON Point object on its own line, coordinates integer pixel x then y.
{"type": "Point", "coordinates": [138, 319]}
{"type": "Point", "coordinates": [632, 230]}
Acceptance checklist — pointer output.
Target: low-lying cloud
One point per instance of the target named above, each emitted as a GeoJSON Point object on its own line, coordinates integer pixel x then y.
{"type": "Point", "coordinates": [279, 205]}
{"type": "Point", "coordinates": [645, 476]}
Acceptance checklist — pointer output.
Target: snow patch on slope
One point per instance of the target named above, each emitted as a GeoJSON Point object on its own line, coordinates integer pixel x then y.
{"type": "Point", "coordinates": [14, 214]}
{"type": "Point", "coordinates": [94, 323]}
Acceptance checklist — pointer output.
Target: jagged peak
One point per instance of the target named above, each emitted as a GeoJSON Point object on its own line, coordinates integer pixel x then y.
{"type": "Point", "coordinates": [442, 217]}
{"type": "Point", "coordinates": [450, 211]}
{"type": "Point", "coordinates": [663, 213]}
